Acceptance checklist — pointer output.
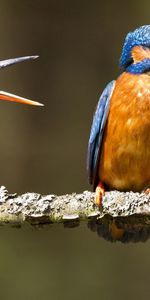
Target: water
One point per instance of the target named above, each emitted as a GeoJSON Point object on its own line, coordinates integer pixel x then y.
{"type": "Point", "coordinates": [57, 263]}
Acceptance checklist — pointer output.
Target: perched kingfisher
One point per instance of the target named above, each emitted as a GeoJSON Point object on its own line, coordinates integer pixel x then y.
{"type": "Point", "coordinates": [12, 97]}
{"type": "Point", "coordinates": [119, 143]}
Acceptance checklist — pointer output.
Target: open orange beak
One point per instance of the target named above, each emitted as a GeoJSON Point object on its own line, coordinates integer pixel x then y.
{"type": "Point", "coordinates": [11, 97]}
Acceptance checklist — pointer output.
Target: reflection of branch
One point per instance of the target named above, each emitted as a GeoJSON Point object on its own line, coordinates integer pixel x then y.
{"type": "Point", "coordinates": [34, 208]}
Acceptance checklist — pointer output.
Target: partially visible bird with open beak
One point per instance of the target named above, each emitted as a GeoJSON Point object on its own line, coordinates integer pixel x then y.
{"type": "Point", "coordinates": [12, 97]}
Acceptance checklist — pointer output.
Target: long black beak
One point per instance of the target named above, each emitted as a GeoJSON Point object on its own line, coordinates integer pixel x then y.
{"type": "Point", "coordinates": [12, 97]}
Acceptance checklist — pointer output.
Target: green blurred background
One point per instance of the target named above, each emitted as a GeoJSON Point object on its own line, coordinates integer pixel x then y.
{"type": "Point", "coordinates": [79, 43]}
{"type": "Point", "coordinates": [43, 149]}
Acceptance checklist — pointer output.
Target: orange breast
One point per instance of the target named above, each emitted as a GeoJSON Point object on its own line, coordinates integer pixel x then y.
{"type": "Point", "coordinates": [125, 155]}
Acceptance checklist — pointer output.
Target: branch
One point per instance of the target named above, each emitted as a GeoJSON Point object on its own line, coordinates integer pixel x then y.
{"type": "Point", "coordinates": [120, 212]}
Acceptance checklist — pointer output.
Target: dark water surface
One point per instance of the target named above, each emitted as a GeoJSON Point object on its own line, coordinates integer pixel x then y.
{"type": "Point", "coordinates": [57, 263]}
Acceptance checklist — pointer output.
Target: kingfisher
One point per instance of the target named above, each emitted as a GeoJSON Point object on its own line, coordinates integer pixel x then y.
{"type": "Point", "coordinates": [119, 144]}
{"type": "Point", "coordinates": [12, 97]}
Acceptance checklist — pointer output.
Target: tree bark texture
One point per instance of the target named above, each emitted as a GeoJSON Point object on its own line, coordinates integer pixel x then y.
{"type": "Point", "coordinates": [123, 216]}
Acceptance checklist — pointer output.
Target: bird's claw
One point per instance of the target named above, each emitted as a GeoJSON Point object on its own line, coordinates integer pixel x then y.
{"type": "Point", "coordinates": [99, 193]}
{"type": "Point", "coordinates": [147, 191]}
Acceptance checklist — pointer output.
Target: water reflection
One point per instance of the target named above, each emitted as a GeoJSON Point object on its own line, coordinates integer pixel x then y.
{"type": "Point", "coordinates": [128, 230]}
{"type": "Point", "coordinates": [132, 229]}
{"type": "Point", "coordinates": [57, 263]}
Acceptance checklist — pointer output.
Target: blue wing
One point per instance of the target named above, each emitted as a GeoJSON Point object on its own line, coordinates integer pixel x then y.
{"type": "Point", "coordinates": [97, 129]}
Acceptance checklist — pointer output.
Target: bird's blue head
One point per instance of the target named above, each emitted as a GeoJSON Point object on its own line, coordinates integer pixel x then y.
{"type": "Point", "coordinates": [138, 39]}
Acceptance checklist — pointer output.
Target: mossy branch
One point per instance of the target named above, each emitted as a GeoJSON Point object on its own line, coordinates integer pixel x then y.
{"type": "Point", "coordinates": [55, 209]}
{"type": "Point", "coordinates": [126, 209]}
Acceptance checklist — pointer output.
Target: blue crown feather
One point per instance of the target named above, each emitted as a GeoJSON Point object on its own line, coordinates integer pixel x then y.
{"type": "Point", "coordinates": [140, 36]}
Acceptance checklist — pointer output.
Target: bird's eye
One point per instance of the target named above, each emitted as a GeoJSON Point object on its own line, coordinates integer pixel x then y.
{"type": "Point", "coordinates": [129, 62]}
